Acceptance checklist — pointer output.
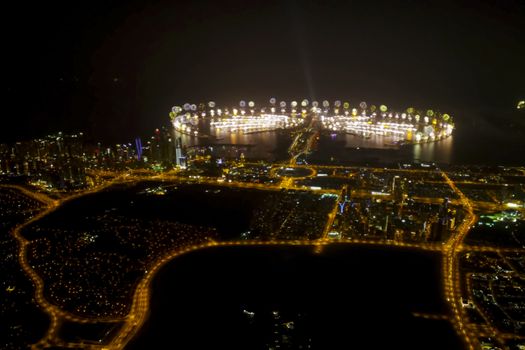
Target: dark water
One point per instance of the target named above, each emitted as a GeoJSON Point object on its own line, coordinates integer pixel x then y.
{"type": "Point", "coordinates": [475, 141]}
{"type": "Point", "coordinates": [344, 298]}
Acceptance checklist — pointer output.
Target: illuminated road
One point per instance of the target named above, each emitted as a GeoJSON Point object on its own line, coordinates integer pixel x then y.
{"type": "Point", "coordinates": [140, 306]}
{"type": "Point", "coordinates": [333, 213]}
{"type": "Point", "coordinates": [300, 145]}
{"type": "Point", "coordinates": [39, 197]}
{"type": "Point", "coordinates": [452, 276]}
{"type": "Point", "coordinates": [140, 303]}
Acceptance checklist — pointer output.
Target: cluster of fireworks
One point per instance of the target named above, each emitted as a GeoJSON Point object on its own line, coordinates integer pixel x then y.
{"type": "Point", "coordinates": [252, 123]}
{"type": "Point", "coordinates": [410, 125]}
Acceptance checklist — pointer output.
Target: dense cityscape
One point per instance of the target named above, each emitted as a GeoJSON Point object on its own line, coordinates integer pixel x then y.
{"type": "Point", "coordinates": [91, 224]}
{"type": "Point", "coordinates": [263, 175]}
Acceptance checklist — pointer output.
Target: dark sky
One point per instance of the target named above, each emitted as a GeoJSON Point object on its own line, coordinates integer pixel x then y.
{"type": "Point", "coordinates": [114, 68]}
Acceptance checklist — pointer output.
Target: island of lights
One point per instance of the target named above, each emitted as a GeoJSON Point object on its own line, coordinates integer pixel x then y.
{"type": "Point", "coordinates": [408, 126]}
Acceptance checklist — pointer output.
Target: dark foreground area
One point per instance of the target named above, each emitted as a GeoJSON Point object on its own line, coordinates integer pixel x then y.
{"type": "Point", "coordinates": [294, 298]}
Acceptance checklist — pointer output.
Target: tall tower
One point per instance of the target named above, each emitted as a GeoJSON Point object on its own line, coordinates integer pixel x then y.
{"type": "Point", "coordinates": [178, 152]}
{"type": "Point", "coordinates": [138, 146]}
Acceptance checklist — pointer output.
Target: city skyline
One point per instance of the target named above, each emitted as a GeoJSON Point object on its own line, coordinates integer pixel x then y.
{"type": "Point", "coordinates": [263, 175]}
{"type": "Point", "coordinates": [313, 191]}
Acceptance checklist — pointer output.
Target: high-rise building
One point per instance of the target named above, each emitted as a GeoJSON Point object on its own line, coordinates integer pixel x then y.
{"type": "Point", "coordinates": [180, 160]}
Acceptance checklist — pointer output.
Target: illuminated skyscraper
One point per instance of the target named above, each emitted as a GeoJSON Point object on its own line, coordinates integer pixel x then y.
{"type": "Point", "coordinates": [178, 153]}
{"type": "Point", "coordinates": [138, 146]}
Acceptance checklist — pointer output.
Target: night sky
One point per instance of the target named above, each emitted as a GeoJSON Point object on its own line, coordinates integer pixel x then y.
{"type": "Point", "coordinates": [114, 68]}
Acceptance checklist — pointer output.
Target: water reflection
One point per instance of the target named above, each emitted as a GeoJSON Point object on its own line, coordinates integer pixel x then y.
{"type": "Point", "coordinates": [264, 145]}
{"type": "Point", "coordinates": [472, 143]}
{"type": "Point", "coordinates": [371, 141]}
{"type": "Point", "coordinates": [440, 151]}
